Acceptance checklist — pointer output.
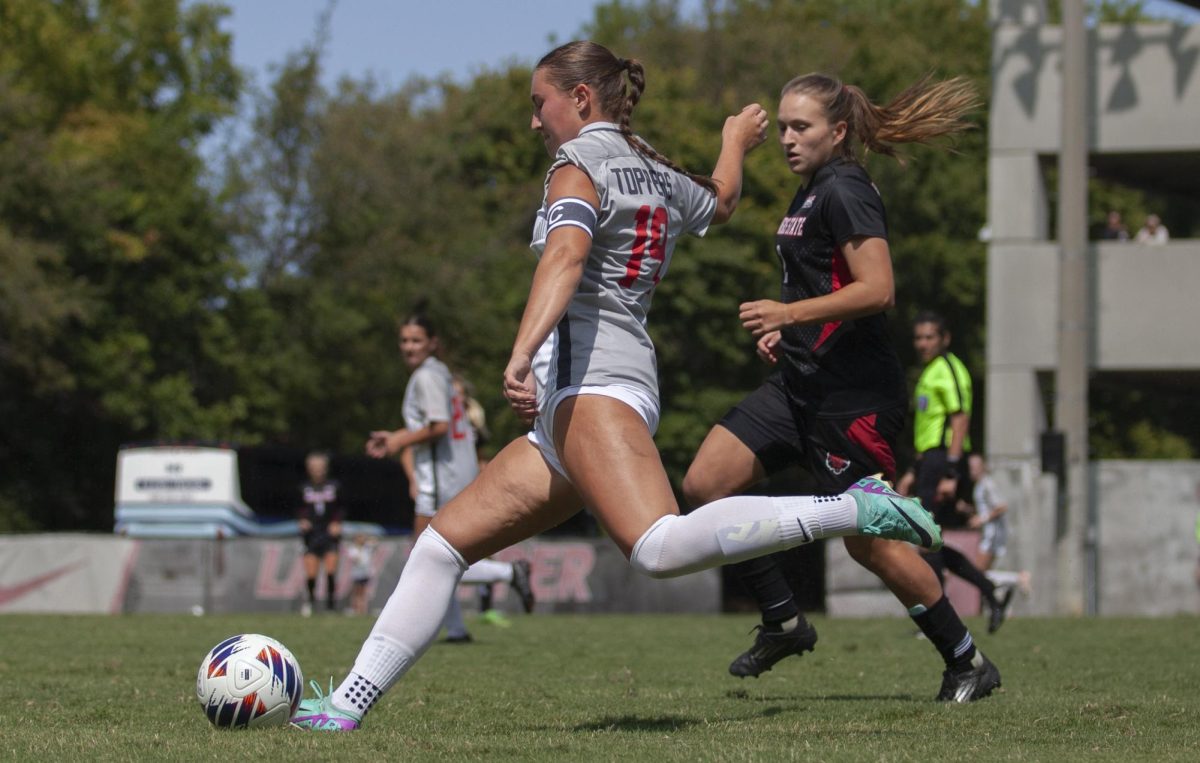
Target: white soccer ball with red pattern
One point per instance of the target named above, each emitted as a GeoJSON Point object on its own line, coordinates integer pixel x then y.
{"type": "Point", "coordinates": [249, 681]}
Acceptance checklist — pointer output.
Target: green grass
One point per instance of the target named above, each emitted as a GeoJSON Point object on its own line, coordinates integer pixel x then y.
{"type": "Point", "coordinates": [653, 688]}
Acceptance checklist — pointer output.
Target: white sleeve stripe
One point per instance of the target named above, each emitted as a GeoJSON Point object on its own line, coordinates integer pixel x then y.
{"type": "Point", "coordinates": [571, 211]}
{"type": "Point", "coordinates": [571, 223]}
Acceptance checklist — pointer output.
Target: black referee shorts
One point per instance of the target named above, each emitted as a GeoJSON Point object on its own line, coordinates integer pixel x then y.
{"type": "Point", "coordinates": [838, 438]}
{"type": "Point", "coordinates": [930, 468]}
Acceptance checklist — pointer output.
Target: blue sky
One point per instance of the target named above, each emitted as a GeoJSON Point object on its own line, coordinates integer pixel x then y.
{"type": "Point", "coordinates": [395, 39]}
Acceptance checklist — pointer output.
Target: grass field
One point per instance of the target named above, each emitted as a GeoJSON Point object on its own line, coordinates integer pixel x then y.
{"type": "Point", "coordinates": [652, 688]}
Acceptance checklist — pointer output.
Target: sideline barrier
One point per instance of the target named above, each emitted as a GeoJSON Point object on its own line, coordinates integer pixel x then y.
{"type": "Point", "coordinates": [99, 574]}
{"type": "Point", "coordinates": [853, 591]}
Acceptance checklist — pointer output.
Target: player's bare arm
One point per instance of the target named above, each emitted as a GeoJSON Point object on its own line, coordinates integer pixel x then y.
{"type": "Point", "coordinates": [554, 282]}
{"type": "Point", "coordinates": [743, 132]}
{"type": "Point", "coordinates": [871, 290]}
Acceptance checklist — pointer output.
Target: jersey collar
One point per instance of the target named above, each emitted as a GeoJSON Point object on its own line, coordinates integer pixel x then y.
{"type": "Point", "coordinates": [597, 126]}
{"type": "Point", "coordinates": [828, 168]}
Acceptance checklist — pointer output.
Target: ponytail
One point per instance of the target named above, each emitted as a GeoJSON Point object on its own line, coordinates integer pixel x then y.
{"type": "Point", "coordinates": [618, 84]}
{"type": "Point", "coordinates": [924, 111]}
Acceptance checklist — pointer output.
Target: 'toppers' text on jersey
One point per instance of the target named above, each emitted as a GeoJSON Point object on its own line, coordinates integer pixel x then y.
{"type": "Point", "coordinates": [644, 208]}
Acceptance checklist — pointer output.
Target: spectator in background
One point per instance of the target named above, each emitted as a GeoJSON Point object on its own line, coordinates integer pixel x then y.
{"type": "Point", "coordinates": [990, 516]}
{"type": "Point", "coordinates": [991, 519]}
{"type": "Point", "coordinates": [360, 554]}
{"type": "Point", "coordinates": [478, 419]}
{"type": "Point", "coordinates": [1153, 232]}
{"type": "Point", "coordinates": [320, 519]}
{"type": "Point", "coordinates": [1114, 228]}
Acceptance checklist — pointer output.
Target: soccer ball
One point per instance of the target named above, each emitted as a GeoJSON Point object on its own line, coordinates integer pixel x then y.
{"type": "Point", "coordinates": [249, 681]}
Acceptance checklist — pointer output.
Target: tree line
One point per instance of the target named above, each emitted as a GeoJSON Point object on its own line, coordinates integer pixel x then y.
{"type": "Point", "coordinates": [151, 292]}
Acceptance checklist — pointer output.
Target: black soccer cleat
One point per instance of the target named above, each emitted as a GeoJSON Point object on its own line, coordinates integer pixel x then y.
{"type": "Point", "coordinates": [976, 681]}
{"type": "Point", "coordinates": [999, 610]}
{"type": "Point", "coordinates": [772, 646]}
{"type": "Point", "coordinates": [522, 583]}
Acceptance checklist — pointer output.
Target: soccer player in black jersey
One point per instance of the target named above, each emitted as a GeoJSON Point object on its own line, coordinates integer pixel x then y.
{"type": "Point", "coordinates": [320, 518]}
{"type": "Point", "coordinates": [836, 400]}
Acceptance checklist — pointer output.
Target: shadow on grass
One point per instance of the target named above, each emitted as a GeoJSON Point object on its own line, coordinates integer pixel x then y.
{"type": "Point", "coordinates": [657, 724]}
{"type": "Point", "coordinates": [663, 723]}
{"type": "Point", "coordinates": [744, 694]}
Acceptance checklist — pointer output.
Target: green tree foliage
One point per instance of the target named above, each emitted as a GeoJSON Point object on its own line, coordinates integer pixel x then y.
{"type": "Point", "coordinates": [139, 303]}
{"type": "Point", "coordinates": [113, 321]}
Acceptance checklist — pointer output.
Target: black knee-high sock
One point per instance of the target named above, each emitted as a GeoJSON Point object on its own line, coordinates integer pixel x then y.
{"type": "Point", "coordinates": [330, 580]}
{"type": "Point", "coordinates": [960, 565]}
{"type": "Point", "coordinates": [485, 597]}
{"type": "Point", "coordinates": [770, 589]}
{"type": "Point", "coordinates": [945, 630]}
{"type": "Point", "coordinates": [312, 590]}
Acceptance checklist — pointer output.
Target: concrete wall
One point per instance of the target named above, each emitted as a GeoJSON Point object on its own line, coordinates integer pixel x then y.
{"type": "Point", "coordinates": [1147, 537]}
{"type": "Point", "coordinates": [1145, 310]}
{"type": "Point", "coordinates": [1145, 88]}
{"type": "Point", "coordinates": [1147, 514]}
{"type": "Point", "coordinates": [1143, 121]}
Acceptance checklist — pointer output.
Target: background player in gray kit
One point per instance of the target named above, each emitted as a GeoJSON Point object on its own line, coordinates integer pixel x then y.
{"type": "Point", "coordinates": [583, 371]}
{"type": "Point", "coordinates": [991, 519]}
{"type": "Point", "coordinates": [441, 460]}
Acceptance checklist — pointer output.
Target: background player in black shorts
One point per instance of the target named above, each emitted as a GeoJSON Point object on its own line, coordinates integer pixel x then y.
{"type": "Point", "coordinates": [320, 518]}
{"type": "Point", "coordinates": [836, 401]}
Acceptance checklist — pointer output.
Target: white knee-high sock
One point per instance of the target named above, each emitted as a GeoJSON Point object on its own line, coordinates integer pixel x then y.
{"type": "Point", "coordinates": [1009, 578]}
{"type": "Point", "coordinates": [489, 571]}
{"type": "Point", "coordinates": [738, 528]}
{"type": "Point", "coordinates": [407, 625]}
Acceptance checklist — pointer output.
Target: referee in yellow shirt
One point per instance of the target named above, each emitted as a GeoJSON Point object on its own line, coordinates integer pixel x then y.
{"type": "Point", "coordinates": [940, 436]}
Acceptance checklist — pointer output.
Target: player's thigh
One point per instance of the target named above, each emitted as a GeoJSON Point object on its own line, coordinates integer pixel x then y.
{"type": "Point", "coordinates": [311, 564]}
{"type": "Point", "coordinates": [516, 497]}
{"type": "Point", "coordinates": [610, 456]}
{"type": "Point", "coordinates": [757, 437]}
{"type": "Point", "coordinates": [723, 466]}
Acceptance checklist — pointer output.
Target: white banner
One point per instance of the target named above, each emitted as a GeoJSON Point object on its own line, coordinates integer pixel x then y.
{"type": "Point", "coordinates": [64, 573]}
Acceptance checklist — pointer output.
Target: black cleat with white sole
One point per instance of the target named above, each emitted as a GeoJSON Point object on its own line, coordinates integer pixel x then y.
{"type": "Point", "coordinates": [772, 646]}
{"type": "Point", "coordinates": [976, 681]}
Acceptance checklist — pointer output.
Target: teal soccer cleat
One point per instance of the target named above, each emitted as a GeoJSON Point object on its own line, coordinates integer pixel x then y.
{"type": "Point", "coordinates": [884, 513]}
{"type": "Point", "coordinates": [319, 714]}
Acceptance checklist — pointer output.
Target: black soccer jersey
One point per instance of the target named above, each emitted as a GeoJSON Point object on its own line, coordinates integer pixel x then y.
{"type": "Point", "coordinates": [319, 505]}
{"type": "Point", "coordinates": [838, 204]}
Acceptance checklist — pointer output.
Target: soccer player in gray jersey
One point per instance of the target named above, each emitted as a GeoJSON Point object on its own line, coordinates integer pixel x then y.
{"type": "Point", "coordinates": [440, 458]}
{"type": "Point", "coordinates": [612, 211]}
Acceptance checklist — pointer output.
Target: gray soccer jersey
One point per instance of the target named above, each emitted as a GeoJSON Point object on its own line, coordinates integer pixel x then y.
{"type": "Point", "coordinates": [443, 467]}
{"type": "Point", "coordinates": [644, 208]}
